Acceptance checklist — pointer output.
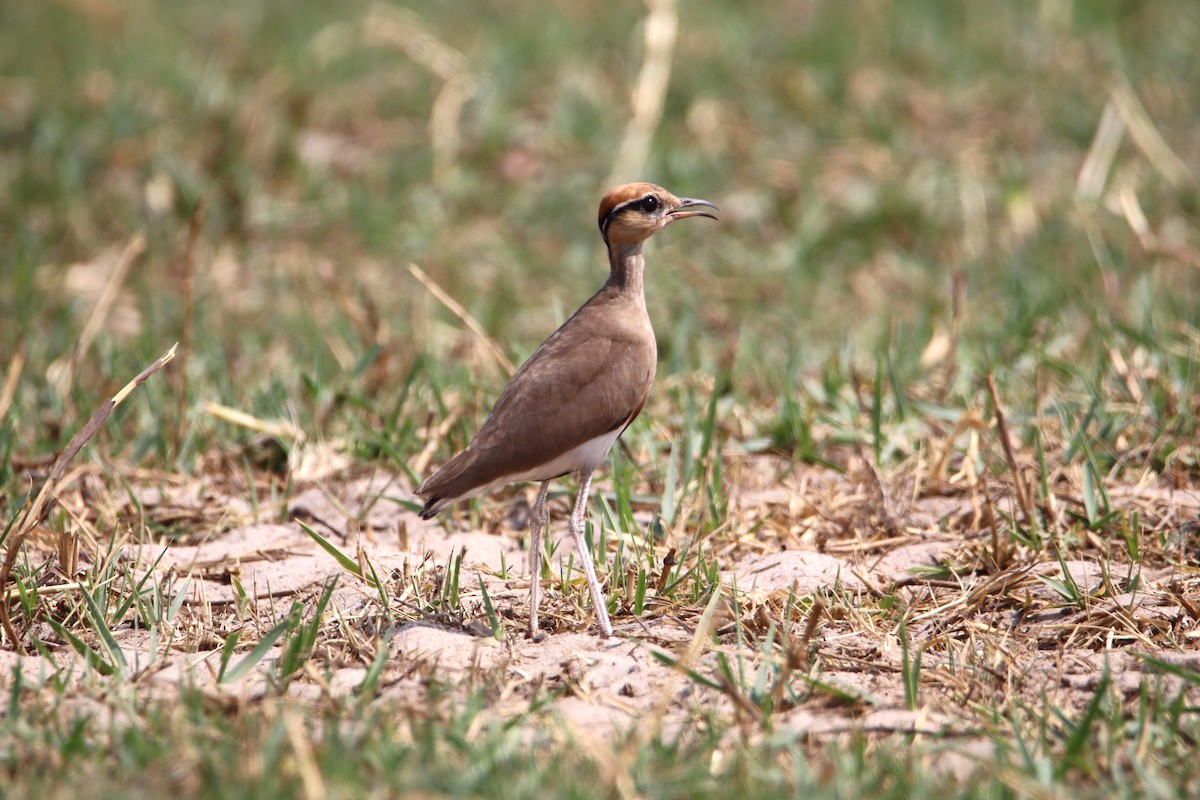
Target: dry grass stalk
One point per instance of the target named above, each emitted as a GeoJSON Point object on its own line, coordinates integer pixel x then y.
{"type": "Point", "coordinates": [187, 291]}
{"type": "Point", "coordinates": [35, 511]}
{"type": "Point", "coordinates": [11, 377]}
{"type": "Point", "coordinates": [1098, 164]}
{"type": "Point", "coordinates": [360, 310]}
{"type": "Point", "coordinates": [888, 518]}
{"type": "Point", "coordinates": [404, 29]}
{"type": "Point", "coordinates": [1022, 491]}
{"type": "Point", "coordinates": [661, 27]}
{"type": "Point", "coordinates": [668, 563]}
{"type": "Point", "coordinates": [1135, 217]}
{"type": "Point", "coordinates": [64, 374]}
{"type": "Point", "coordinates": [68, 552]}
{"type": "Point", "coordinates": [10, 594]}
{"type": "Point", "coordinates": [444, 126]}
{"type": "Point", "coordinates": [305, 761]}
{"type": "Point", "coordinates": [465, 318]}
{"type": "Point", "coordinates": [1146, 136]}
{"type": "Point", "coordinates": [422, 461]}
{"type": "Point", "coordinates": [276, 429]}
{"type": "Point", "coordinates": [795, 653]}
{"type": "Point", "coordinates": [968, 420]}
{"type": "Point", "coordinates": [407, 31]}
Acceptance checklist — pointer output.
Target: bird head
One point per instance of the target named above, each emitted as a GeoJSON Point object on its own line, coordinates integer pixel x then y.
{"type": "Point", "coordinates": [633, 212]}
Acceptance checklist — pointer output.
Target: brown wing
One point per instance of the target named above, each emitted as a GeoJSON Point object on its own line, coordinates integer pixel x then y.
{"type": "Point", "coordinates": [589, 378]}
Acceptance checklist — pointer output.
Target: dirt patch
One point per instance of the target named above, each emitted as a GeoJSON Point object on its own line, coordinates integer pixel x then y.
{"type": "Point", "coordinates": [995, 622]}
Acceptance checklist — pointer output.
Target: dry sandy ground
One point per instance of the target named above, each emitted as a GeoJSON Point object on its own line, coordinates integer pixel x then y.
{"type": "Point", "coordinates": [993, 632]}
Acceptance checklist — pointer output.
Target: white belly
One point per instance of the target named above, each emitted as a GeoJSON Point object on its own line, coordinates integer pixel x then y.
{"type": "Point", "coordinates": [588, 455]}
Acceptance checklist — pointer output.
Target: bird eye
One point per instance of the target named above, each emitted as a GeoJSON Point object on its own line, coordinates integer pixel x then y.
{"type": "Point", "coordinates": [649, 204]}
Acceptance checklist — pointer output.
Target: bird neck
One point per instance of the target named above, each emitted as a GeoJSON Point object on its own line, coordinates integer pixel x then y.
{"type": "Point", "coordinates": [626, 265]}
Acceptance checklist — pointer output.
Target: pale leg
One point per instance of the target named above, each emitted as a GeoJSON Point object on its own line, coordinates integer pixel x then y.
{"type": "Point", "coordinates": [577, 530]}
{"type": "Point", "coordinates": [537, 534]}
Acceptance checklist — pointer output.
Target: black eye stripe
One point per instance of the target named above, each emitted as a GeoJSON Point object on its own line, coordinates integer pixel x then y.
{"type": "Point", "coordinates": [647, 204]}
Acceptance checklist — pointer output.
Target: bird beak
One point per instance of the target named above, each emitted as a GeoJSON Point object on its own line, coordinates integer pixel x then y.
{"type": "Point", "coordinates": [686, 209]}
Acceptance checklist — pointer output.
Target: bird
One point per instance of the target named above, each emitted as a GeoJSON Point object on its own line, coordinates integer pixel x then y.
{"type": "Point", "coordinates": [569, 402]}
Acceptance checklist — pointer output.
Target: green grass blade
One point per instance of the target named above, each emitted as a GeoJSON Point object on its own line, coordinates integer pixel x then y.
{"type": "Point", "coordinates": [344, 561]}
{"type": "Point", "coordinates": [370, 682]}
{"type": "Point", "coordinates": [1078, 745]}
{"type": "Point", "coordinates": [91, 657]}
{"type": "Point", "coordinates": [299, 647]}
{"type": "Point", "coordinates": [493, 618]}
{"type": "Point", "coordinates": [260, 650]}
{"type": "Point", "coordinates": [670, 660]}
{"type": "Point", "coordinates": [639, 595]}
{"type": "Point", "coordinates": [670, 486]}
{"type": "Point", "coordinates": [115, 653]}
{"type": "Point", "coordinates": [226, 654]}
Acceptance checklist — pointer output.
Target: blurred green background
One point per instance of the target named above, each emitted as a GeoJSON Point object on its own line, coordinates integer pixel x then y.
{"type": "Point", "coordinates": [864, 154]}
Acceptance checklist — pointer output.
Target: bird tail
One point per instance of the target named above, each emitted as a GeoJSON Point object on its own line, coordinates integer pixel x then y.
{"type": "Point", "coordinates": [432, 506]}
{"type": "Point", "coordinates": [447, 485]}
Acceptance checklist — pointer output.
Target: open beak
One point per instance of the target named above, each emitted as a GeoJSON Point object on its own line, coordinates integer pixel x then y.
{"type": "Point", "coordinates": [687, 206]}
